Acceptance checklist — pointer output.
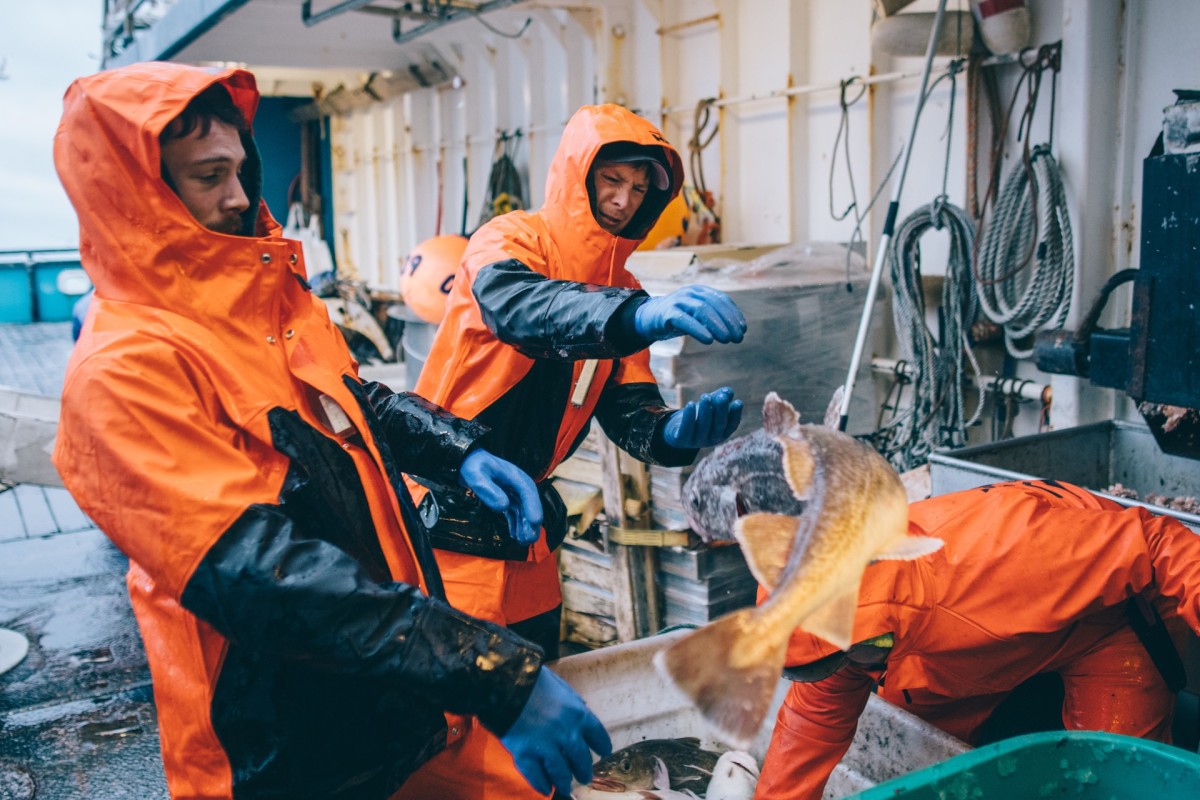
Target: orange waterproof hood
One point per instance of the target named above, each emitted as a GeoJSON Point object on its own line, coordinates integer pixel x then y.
{"type": "Point", "coordinates": [138, 242]}
{"type": "Point", "coordinates": [568, 207]}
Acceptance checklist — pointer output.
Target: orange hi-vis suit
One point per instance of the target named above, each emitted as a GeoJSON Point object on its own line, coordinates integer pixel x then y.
{"type": "Point", "coordinates": [214, 426]}
{"type": "Point", "coordinates": [1035, 577]}
{"type": "Point", "coordinates": [539, 300]}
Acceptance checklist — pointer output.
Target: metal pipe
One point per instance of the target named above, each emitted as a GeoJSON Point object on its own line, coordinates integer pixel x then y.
{"type": "Point", "coordinates": [691, 23]}
{"type": "Point", "coordinates": [889, 225]}
{"type": "Point", "coordinates": [1019, 388]}
{"type": "Point", "coordinates": [794, 91]}
{"type": "Point", "coordinates": [309, 19]}
{"type": "Point", "coordinates": [447, 13]}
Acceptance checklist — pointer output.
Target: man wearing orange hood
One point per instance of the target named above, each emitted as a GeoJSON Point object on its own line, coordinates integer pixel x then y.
{"type": "Point", "coordinates": [1035, 577]}
{"type": "Point", "coordinates": [544, 329]}
{"type": "Point", "coordinates": [215, 428]}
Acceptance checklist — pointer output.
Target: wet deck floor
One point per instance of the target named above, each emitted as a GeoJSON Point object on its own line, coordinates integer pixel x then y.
{"type": "Point", "coordinates": [77, 717]}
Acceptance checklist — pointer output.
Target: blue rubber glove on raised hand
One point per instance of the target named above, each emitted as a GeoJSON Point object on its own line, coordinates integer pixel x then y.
{"type": "Point", "coordinates": [504, 488]}
{"type": "Point", "coordinates": [553, 738]}
{"type": "Point", "coordinates": [705, 422]}
{"type": "Point", "coordinates": [697, 311]}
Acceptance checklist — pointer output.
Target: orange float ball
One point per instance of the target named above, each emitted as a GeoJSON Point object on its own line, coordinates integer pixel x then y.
{"type": "Point", "coordinates": [428, 274]}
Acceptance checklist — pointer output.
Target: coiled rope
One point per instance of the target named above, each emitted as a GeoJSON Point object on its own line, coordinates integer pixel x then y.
{"type": "Point", "coordinates": [1026, 266]}
{"type": "Point", "coordinates": [937, 413]}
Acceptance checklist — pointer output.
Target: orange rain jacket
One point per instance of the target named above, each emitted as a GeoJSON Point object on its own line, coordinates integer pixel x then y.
{"type": "Point", "coordinates": [538, 296]}
{"type": "Point", "coordinates": [1034, 578]}
{"type": "Point", "coordinates": [214, 427]}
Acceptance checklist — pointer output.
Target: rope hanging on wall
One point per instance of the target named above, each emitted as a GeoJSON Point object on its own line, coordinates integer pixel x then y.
{"type": "Point", "coordinates": [702, 137]}
{"type": "Point", "coordinates": [1026, 270]}
{"type": "Point", "coordinates": [1025, 262]}
{"type": "Point", "coordinates": [504, 190]}
{"type": "Point", "coordinates": [936, 415]}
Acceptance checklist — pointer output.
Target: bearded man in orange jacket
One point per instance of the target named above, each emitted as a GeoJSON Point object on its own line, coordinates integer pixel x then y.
{"type": "Point", "coordinates": [1035, 577]}
{"type": "Point", "coordinates": [544, 330]}
{"type": "Point", "coordinates": [215, 428]}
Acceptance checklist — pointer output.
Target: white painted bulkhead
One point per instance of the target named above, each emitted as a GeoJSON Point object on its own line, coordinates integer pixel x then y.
{"type": "Point", "coordinates": [405, 167]}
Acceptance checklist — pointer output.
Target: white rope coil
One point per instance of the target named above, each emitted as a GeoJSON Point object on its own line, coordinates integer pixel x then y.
{"type": "Point", "coordinates": [1026, 271]}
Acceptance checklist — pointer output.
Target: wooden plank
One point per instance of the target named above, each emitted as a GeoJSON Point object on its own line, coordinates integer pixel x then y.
{"type": "Point", "coordinates": [587, 599]}
{"type": "Point", "coordinates": [580, 470]}
{"type": "Point", "coordinates": [626, 577]}
{"type": "Point", "coordinates": [585, 567]}
{"type": "Point", "coordinates": [588, 629]}
{"type": "Point", "coordinates": [638, 611]}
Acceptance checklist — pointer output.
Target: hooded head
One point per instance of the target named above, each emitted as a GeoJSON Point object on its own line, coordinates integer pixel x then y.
{"type": "Point", "coordinates": [610, 137]}
{"type": "Point", "coordinates": [138, 237]}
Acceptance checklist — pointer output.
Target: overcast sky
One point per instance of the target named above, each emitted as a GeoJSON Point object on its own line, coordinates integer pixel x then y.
{"type": "Point", "coordinates": [44, 45]}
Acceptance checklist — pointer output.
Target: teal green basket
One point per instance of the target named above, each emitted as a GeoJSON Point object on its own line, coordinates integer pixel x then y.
{"type": "Point", "coordinates": [1083, 765]}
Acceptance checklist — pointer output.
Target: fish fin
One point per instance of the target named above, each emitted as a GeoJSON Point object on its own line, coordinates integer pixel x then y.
{"type": "Point", "coordinates": [833, 411]}
{"type": "Point", "coordinates": [690, 741]}
{"type": "Point", "coordinates": [780, 417]}
{"type": "Point", "coordinates": [766, 541]}
{"type": "Point", "coordinates": [798, 466]}
{"type": "Point", "coordinates": [908, 548]}
{"type": "Point", "coordinates": [662, 779]}
{"type": "Point", "coordinates": [834, 621]}
{"type": "Point", "coordinates": [742, 760]}
{"type": "Point", "coordinates": [729, 671]}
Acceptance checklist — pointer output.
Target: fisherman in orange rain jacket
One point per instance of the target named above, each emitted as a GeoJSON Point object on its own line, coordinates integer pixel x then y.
{"type": "Point", "coordinates": [215, 428]}
{"type": "Point", "coordinates": [544, 329]}
{"type": "Point", "coordinates": [1035, 577]}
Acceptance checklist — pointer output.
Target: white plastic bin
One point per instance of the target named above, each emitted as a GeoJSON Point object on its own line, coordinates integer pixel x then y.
{"type": "Point", "coordinates": [623, 688]}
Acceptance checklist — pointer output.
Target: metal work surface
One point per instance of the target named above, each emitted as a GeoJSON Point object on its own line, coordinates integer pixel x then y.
{"type": "Point", "coordinates": [1093, 456]}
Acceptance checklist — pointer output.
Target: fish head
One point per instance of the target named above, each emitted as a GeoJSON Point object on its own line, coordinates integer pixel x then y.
{"type": "Point", "coordinates": [624, 771]}
{"type": "Point", "coordinates": [739, 477]}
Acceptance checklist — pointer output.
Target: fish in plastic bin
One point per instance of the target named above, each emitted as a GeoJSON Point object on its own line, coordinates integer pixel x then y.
{"type": "Point", "coordinates": [685, 765]}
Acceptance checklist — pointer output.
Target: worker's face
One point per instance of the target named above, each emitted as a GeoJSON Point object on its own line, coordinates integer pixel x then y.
{"type": "Point", "coordinates": [619, 191]}
{"type": "Point", "coordinates": [204, 171]}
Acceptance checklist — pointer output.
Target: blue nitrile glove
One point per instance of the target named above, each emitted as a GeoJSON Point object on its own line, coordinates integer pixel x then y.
{"type": "Point", "coordinates": [503, 487]}
{"type": "Point", "coordinates": [697, 311]}
{"type": "Point", "coordinates": [705, 422]}
{"type": "Point", "coordinates": [554, 737]}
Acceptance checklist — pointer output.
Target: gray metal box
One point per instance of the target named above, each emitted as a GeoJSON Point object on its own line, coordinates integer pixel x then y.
{"type": "Point", "coordinates": [1093, 456]}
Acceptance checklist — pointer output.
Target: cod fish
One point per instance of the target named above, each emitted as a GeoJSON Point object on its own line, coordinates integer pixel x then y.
{"type": "Point", "coordinates": [811, 507]}
{"type": "Point", "coordinates": [662, 789]}
{"type": "Point", "coordinates": [734, 777]}
{"type": "Point", "coordinates": [632, 768]}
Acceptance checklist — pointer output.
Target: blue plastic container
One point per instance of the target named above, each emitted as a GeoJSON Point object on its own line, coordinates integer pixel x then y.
{"type": "Point", "coordinates": [16, 299]}
{"type": "Point", "coordinates": [1083, 765]}
{"type": "Point", "coordinates": [53, 304]}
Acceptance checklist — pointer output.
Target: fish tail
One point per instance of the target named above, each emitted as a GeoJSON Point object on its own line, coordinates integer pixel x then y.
{"type": "Point", "coordinates": [711, 666]}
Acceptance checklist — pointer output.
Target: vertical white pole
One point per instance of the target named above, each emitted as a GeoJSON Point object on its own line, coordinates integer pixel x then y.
{"type": "Point", "coordinates": [864, 323]}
